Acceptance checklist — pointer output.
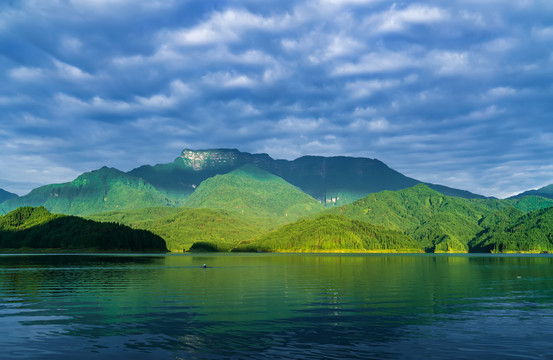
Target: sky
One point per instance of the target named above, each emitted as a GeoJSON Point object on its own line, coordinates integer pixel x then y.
{"type": "Point", "coordinates": [456, 92]}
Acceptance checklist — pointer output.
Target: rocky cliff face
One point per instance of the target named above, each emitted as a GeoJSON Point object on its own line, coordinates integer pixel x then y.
{"type": "Point", "coordinates": [205, 159]}
{"type": "Point", "coordinates": [202, 160]}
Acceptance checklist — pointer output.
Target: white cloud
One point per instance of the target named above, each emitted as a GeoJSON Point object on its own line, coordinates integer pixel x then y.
{"type": "Point", "coordinates": [228, 80]}
{"type": "Point", "coordinates": [376, 125]}
{"type": "Point", "coordinates": [360, 89]}
{"type": "Point", "coordinates": [377, 62]}
{"type": "Point", "coordinates": [23, 73]}
{"type": "Point", "coordinates": [399, 19]}
{"type": "Point", "coordinates": [501, 92]}
{"type": "Point", "coordinates": [12, 100]}
{"type": "Point", "coordinates": [364, 111]}
{"type": "Point", "coordinates": [300, 125]}
{"type": "Point", "coordinates": [70, 72]}
{"type": "Point", "coordinates": [500, 45]}
{"type": "Point", "coordinates": [178, 92]}
{"type": "Point", "coordinates": [338, 46]}
{"type": "Point", "coordinates": [70, 44]}
{"type": "Point", "coordinates": [107, 7]}
{"type": "Point", "coordinates": [450, 62]}
{"type": "Point", "coordinates": [61, 70]}
{"type": "Point", "coordinates": [227, 26]}
{"type": "Point", "coordinates": [484, 114]}
{"type": "Point", "coordinates": [543, 33]}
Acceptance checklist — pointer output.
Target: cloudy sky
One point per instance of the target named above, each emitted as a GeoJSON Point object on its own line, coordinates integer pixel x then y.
{"type": "Point", "coordinates": [453, 92]}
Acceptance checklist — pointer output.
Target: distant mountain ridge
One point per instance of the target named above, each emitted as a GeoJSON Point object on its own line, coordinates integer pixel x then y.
{"type": "Point", "coordinates": [546, 192]}
{"type": "Point", "coordinates": [331, 180]}
{"type": "Point", "coordinates": [6, 195]}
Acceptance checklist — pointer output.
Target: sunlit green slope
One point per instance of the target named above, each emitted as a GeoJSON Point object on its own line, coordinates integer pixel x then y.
{"type": "Point", "coordinates": [182, 227]}
{"type": "Point", "coordinates": [37, 228]}
{"type": "Point", "coordinates": [331, 233]}
{"type": "Point", "coordinates": [440, 223]}
{"type": "Point", "coordinates": [254, 192]}
{"type": "Point", "coordinates": [93, 192]}
{"type": "Point", "coordinates": [516, 232]}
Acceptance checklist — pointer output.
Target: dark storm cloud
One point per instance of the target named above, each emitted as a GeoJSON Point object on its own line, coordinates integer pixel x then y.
{"type": "Point", "coordinates": [456, 93]}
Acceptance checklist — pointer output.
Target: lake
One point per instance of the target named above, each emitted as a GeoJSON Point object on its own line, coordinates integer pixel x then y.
{"type": "Point", "coordinates": [276, 306]}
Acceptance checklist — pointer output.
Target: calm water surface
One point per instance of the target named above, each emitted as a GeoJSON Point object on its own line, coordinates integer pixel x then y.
{"type": "Point", "coordinates": [276, 306]}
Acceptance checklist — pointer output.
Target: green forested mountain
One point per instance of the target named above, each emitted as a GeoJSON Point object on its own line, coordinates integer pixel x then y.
{"type": "Point", "coordinates": [254, 192]}
{"type": "Point", "coordinates": [438, 222]}
{"type": "Point", "coordinates": [516, 232]}
{"type": "Point", "coordinates": [331, 180]}
{"type": "Point", "coordinates": [182, 227]}
{"type": "Point", "coordinates": [529, 203]}
{"type": "Point", "coordinates": [331, 233]}
{"type": "Point", "coordinates": [37, 228]}
{"type": "Point", "coordinates": [546, 192]}
{"type": "Point", "coordinates": [93, 192]}
{"type": "Point", "coordinates": [5, 195]}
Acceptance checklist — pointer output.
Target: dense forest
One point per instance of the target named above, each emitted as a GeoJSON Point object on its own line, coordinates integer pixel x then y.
{"type": "Point", "coordinates": [331, 233]}
{"type": "Point", "coordinates": [37, 228]}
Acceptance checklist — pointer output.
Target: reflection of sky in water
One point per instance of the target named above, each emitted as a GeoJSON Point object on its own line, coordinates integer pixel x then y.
{"type": "Point", "coordinates": [276, 306]}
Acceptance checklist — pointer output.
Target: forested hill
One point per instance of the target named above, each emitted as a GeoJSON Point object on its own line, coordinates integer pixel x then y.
{"type": "Point", "coordinates": [517, 233]}
{"type": "Point", "coordinates": [5, 195]}
{"type": "Point", "coordinates": [36, 228]}
{"type": "Point", "coordinates": [97, 191]}
{"type": "Point", "coordinates": [546, 191]}
{"type": "Point", "coordinates": [254, 192]}
{"type": "Point", "coordinates": [436, 221]}
{"type": "Point", "coordinates": [332, 233]}
{"type": "Point", "coordinates": [181, 227]}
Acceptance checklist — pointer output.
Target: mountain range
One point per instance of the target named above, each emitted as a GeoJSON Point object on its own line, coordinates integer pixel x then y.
{"type": "Point", "coordinates": [222, 200]}
{"type": "Point", "coordinates": [332, 181]}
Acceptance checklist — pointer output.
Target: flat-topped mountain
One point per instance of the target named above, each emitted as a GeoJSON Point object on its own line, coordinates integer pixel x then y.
{"type": "Point", "coordinates": [97, 191]}
{"type": "Point", "coordinates": [6, 195]}
{"type": "Point", "coordinates": [331, 180]}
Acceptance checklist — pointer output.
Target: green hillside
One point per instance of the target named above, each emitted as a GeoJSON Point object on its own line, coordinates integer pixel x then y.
{"type": "Point", "coordinates": [529, 203]}
{"type": "Point", "coordinates": [254, 192]}
{"type": "Point", "coordinates": [93, 192]}
{"type": "Point", "coordinates": [182, 227]}
{"type": "Point", "coordinates": [330, 233]}
{"type": "Point", "coordinates": [546, 192]}
{"type": "Point", "coordinates": [5, 195]}
{"type": "Point", "coordinates": [440, 223]}
{"type": "Point", "coordinates": [37, 229]}
{"type": "Point", "coordinates": [532, 232]}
